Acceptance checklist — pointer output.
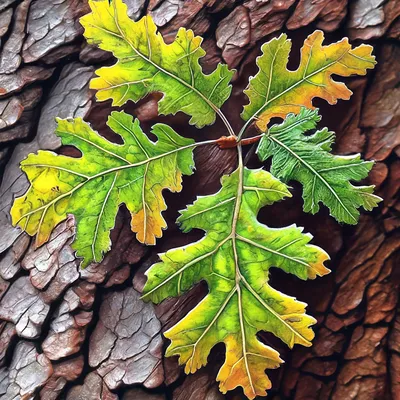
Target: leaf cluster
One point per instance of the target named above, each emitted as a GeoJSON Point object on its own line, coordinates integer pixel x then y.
{"type": "Point", "coordinates": [237, 252]}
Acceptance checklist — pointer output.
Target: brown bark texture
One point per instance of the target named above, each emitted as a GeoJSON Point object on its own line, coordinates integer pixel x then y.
{"type": "Point", "coordinates": [72, 334]}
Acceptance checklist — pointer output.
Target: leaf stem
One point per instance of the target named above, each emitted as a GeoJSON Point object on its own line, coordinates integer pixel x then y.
{"type": "Point", "coordinates": [251, 140]}
{"type": "Point", "coordinates": [226, 122]}
{"type": "Point", "coordinates": [245, 126]}
{"type": "Point", "coordinates": [229, 142]}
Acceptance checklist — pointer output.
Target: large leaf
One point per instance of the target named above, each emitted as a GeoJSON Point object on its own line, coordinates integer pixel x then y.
{"type": "Point", "coordinates": [94, 185]}
{"type": "Point", "coordinates": [235, 258]}
{"type": "Point", "coordinates": [275, 91]}
{"type": "Point", "coordinates": [325, 177]}
{"type": "Point", "coordinates": [146, 64]}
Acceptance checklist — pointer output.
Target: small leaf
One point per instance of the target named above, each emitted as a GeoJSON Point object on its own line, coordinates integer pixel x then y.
{"type": "Point", "coordinates": [325, 177]}
{"type": "Point", "coordinates": [275, 91]}
{"type": "Point", "coordinates": [235, 258]}
{"type": "Point", "coordinates": [146, 64]}
{"type": "Point", "coordinates": [93, 186]}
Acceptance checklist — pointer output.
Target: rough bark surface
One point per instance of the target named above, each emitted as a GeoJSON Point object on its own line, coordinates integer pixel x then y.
{"type": "Point", "coordinates": [72, 334]}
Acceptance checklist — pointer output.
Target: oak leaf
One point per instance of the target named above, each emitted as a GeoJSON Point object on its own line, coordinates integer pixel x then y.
{"type": "Point", "coordinates": [325, 177]}
{"type": "Point", "coordinates": [147, 64]}
{"type": "Point", "coordinates": [93, 186]}
{"type": "Point", "coordinates": [235, 258]}
{"type": "Point", "coordinates": [275, 91]}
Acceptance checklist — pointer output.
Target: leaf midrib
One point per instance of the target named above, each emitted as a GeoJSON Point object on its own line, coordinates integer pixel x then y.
{"type": "Point", "coordinates": [235, 218]}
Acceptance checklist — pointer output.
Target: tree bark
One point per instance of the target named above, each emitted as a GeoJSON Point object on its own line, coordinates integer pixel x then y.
{"type": "Point", "coordinates": [67, 333]}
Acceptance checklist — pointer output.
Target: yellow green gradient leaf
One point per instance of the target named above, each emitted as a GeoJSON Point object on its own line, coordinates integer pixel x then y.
{"type": "Point", "coordinates": [235, 258]}
{"type": "Point", "coordinates": [275, 91]}
{"type": "Point", "coordinates": [325, 177]}
{"type": "Point", "coordinates": [147, 64]}
{"type": "Point", "coordinates": [93, 186]}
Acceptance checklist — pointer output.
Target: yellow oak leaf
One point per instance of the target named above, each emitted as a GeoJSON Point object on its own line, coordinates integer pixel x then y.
{"type": "Point", "coordinates": [275, 91]}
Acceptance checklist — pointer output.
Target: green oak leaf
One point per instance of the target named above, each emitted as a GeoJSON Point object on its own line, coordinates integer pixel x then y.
{"type": "Point", "coordinates": [93, 186]}
{"type": "Point", "coordinates": [325, 177]}
{"type": "Point", "coordinates": [235, 258]}
{"type": "Point", "coordinates": [147, 64]}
